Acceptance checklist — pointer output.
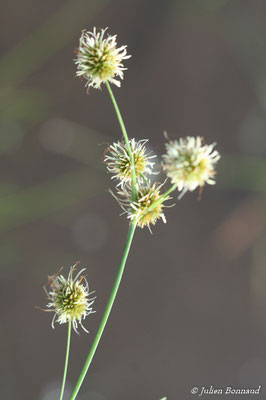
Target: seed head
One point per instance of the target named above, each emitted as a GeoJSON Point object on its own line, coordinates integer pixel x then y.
{"type": "Point", "coordinates": [98, 58]}
{"type": "Point", "coordinates": [147, 208]}
{"type": "Point", "coordinates": [69, 298]}
{"type": "Point", "coordinates": [189, 163]}
{"type": "Point", "coordinates": [118, 163]}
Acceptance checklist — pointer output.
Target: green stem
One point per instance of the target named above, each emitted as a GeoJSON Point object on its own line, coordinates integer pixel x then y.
{"type": "Point", "coordinates": [107, 311]}
{"type": "Point", "coordinates": [66, 360]}
{"type": "Point", "coordinates": [168, 191]}
{"type": "Point", "coordinates": [161, 198]}
{"type": "Point", "coordinates": [123, 128]}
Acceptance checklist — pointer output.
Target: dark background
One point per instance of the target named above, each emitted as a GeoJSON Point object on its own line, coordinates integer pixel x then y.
{"type": "Point", "coordinates": [191, 310]}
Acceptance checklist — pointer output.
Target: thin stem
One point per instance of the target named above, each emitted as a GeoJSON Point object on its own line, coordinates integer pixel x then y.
{"type": "Point", "coordinates": [124, 131]}
{"type": "Point", "coordinates": [107, 311]}
{"type": "Point", "coordinates": [66, 360]}
{"type": "Point", "coordinates": [168, 191]}
{"type": "Point", "coordinates": [161, 198]}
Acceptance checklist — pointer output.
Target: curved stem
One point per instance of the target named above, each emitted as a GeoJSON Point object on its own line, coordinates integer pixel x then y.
{"type": "Point", "coordinates": [66, 360]}
{"type": "Point", "coordinates": [107, 311]}
{"type": "Point", "coordinates": [124, 131]}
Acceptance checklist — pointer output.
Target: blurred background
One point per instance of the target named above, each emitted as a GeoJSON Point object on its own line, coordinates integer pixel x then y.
{"type": "Point", "coordinates": [191, 310]}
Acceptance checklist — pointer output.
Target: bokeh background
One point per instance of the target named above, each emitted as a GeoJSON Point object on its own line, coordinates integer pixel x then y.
{"type": "Point", "coordinates": [191, 310]}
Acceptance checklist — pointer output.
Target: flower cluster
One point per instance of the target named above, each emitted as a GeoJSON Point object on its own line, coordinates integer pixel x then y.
{"type": "Point", "coordinates": [69, 298]}
{"type": "Point", "coordinates": [189, 163]}
{"type": "Point", "coordinates": [118, 161]}
{"type": "Point", "coordinates": [98, 58]}
{"type": "Point", "coordinates": [148, 206]}
{"type": "Point", "coordinates": [144, 206]}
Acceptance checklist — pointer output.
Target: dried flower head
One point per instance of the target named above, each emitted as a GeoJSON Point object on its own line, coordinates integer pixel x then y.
{"type": "Point", "coordinates": [98, 58]}
{"type": "Point", "coordinates": [69, 298]}
{"type": "Point", "coordinates": [147, 208]}
{"type": "Point", "coordinates": [118, 163]}
{"type": "Point", "coordinates": [189, 163]}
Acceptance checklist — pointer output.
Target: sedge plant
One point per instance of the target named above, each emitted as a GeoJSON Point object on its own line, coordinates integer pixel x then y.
{"type": "Point", "coordinates": [188, 164]}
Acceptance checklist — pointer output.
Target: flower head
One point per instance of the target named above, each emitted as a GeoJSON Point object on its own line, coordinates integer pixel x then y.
{"type": "Point", "coordinates": [147, 208]}
{"type": "Point", "coordinates": [117, 159]}
{"type": "Point", "coordinates": [189, 163]}
{"type": "Point", "coordinates": [69, 298]}
{"type": "Point", "coordinates": [98, 58]}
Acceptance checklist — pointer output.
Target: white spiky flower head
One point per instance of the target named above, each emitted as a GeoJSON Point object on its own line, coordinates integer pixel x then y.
{"type": "Point", "coordinates": [69, 298]}
{"type": "Point", "coordinates": [99, 59]}
{"type": "Point", "coordinates": [189, 163]}
{"type": "Point", "coordinates": [147, 209]}
{"type": "Point", "coordinates": [118, 163]}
